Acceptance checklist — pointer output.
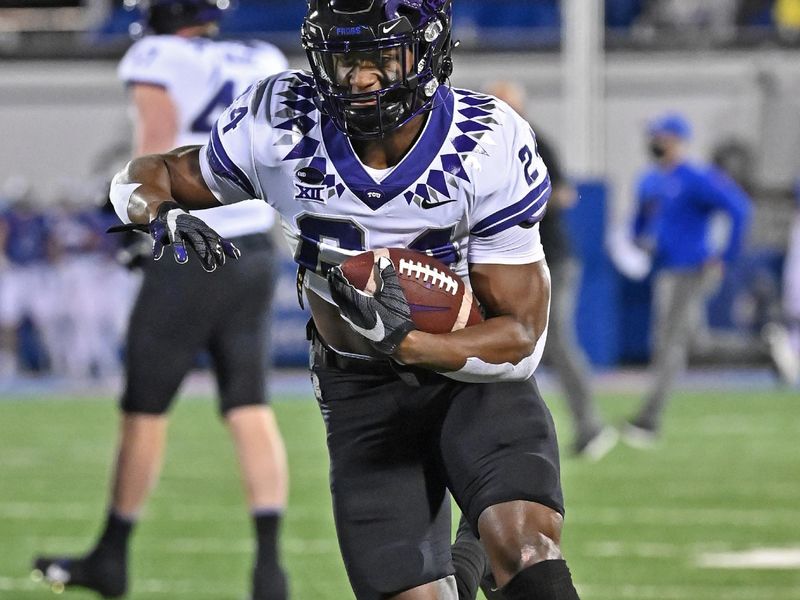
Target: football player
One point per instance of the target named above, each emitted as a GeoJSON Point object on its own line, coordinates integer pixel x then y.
{"type": "Point", "coordinates": [373, 149]}
{"type": "Point", "coordinates": [180, 80]}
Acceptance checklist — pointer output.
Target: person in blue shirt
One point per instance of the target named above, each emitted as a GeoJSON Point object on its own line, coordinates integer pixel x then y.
{"type": "Point", "coordinates": [677, 201]}
{"type": "Point", "coordinates": [24, 233]}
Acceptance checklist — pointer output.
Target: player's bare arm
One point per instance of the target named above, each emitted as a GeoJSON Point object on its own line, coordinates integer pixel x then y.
{"type": "Point", "coordinates": [173, 176]}
{"type": "Point", "coordinates": [156, 119]}
{"type": "Point", "coordinates": [154, 192]}
{"type": "Point", "coordinates": [515, 299]}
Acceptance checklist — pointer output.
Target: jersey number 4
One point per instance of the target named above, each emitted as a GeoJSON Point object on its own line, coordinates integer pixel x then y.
{"type": "Point", "coordinates": [219, 102]}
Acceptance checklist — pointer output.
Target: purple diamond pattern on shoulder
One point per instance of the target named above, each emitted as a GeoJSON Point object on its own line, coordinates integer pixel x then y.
{"type": "Point", "coordinates": [478, 122]}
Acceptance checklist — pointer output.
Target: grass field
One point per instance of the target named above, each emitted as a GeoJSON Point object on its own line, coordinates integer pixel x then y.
{"type": "Point", "coordinates": [726, 478]}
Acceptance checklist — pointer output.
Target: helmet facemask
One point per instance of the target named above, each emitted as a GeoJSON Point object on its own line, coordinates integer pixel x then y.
{"type": "Point", "coordinates": [408, 62]}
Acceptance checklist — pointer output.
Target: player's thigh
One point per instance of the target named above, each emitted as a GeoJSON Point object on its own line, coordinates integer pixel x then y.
{"type": "Point", "coordinates": [680, 312]}
{"type": "Point", "coordinates": [498, 444]}
{"type": "Point", "coordinates": [167, 329]}
{"type": "Point", "coordinates": [391, 507]}
{"type": "Point", "coordinates": [238, 343]}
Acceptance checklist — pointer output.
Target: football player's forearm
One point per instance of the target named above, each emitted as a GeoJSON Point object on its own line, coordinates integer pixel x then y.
{"type": "Point", "coordinates": [148, 181]}
{"type": "Point", "coordinates": [496, 341]}
{"type": "Point", "coordinates": [154, 187]}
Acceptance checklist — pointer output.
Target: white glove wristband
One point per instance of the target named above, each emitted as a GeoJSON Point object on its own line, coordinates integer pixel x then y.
{"type": "Point", "coordinates": [120, 195]}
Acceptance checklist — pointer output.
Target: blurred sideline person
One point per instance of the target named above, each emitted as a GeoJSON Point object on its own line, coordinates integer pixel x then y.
{"type": "Point", "coordinates": [592, 438]}
{"type": "Point", "coordinates": [82, 331]}
{"type": "Point", "coordinates": [391, 156]}
{"type": "Point", "coordinates": [676, 203]}
{"type": "Point", "coordinates": [180, 80]}
{"type": "Point", "coordinates": [765, 338]}
{"type": "Point", "coordinates": [24, 233]}
{"type": "Point", "coordinates": [785, 337]}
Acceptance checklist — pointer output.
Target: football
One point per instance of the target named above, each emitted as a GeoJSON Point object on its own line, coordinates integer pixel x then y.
{"type": "Point", "coordinates": [440, 301]}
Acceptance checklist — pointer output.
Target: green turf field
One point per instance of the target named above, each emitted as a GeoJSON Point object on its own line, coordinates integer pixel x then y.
{"type": "Point", "coordinates": [725, 479]}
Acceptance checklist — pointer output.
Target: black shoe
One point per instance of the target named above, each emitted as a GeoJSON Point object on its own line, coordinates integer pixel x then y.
{"type": "Point", "coordinates": [98, 572]}
{"type": "Point", "coordinates": [269, 583]}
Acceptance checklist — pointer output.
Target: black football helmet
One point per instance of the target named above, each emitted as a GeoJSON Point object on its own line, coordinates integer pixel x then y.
{"type": "Point", "coordinates": [407, 41]}
{"type": "Point", "coordinates": [168, 16]}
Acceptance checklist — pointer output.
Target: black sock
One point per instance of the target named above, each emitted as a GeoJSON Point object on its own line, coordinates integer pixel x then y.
{"type": "Point", "coordinates": [115, 536]}
{"type": "Point", "coordinates": [469, 560]}
{"type": "Point", "coordinates": [269, 580]}
{"type": "Point", "coordinates": [547, 580]}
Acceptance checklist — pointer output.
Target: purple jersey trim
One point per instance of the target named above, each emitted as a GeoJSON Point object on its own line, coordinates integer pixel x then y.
{"type": "Point", "coordinates": [410, 170]}
{"type": "Point", "coordinates": [515, 214]}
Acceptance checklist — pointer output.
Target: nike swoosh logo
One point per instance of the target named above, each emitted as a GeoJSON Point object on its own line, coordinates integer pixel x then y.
{"type": "Point", "coordinates": [389, 28]}
{"type": "Point", "coordinates": [426, 204]}
{"type": "Point", "coordinates": [376, 334]}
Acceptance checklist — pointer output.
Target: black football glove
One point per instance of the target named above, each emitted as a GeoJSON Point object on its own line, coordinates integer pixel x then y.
{"type": "Point", "coordinates": [175, 226]}
{"type": "Point", "coordinates": [383, 318]}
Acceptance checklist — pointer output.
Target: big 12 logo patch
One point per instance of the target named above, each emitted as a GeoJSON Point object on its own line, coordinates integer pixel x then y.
{"type": "Point", "coordinates": [310, 184]}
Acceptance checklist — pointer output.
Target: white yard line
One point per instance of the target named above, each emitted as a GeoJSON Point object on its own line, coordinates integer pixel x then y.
{"type": "Point", "coordinates": [16, 584]}
{"type": "Point", "coordinates": [46, 511]}
{"type": "Point", "coordinates": [651, 515]}
{"type": "Point", "coordinates": [207, 545]}
{"type": "Point", "coordinates": [687, 592]}
{"type": "Point", "coordinates": [319, 546]}
{"type": "Point", "coordinates": [619, 549]}
{"type": "Point", "coordinates": [709, 556]}
{"type": "Point", "coordinates": [684, 516]}
{"type": "Point", "coordinates": [756, 558]}
{"type": "Point", "coordinates": [77, 511]}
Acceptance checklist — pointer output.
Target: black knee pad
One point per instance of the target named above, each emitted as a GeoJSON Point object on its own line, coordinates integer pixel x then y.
{"type": "Point", "coordinates": [547, 580]}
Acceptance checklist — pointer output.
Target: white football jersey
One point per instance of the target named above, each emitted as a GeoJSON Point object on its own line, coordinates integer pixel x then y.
{"type": "Point", "coordinates": [459, 194]}
{"type": "Point", "coordinates": [202, 77]}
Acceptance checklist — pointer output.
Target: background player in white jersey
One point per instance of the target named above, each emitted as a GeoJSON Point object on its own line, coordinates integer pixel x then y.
{"type": "Point", "coordinates": [373, 149]}
{"type": "Point", "coordinates": [180, 81]}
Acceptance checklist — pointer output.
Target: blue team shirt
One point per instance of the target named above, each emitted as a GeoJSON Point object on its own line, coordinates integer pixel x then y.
{"type": "Point", "coordinates": [27, 237]}
{"type": "Point", "coordinates": [675, 209]}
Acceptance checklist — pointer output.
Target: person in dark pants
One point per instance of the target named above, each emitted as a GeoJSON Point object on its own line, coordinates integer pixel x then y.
{"type": "Point", "coordinates": [676, 202]}
{"type": "Point", "coordinates": [179, 79]}
{"type": "Point", "coordinates": [592, 437]}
